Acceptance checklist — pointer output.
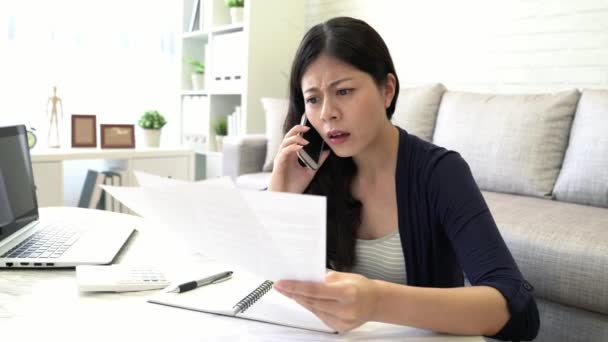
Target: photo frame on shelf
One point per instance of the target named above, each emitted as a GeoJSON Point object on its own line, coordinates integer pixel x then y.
{"type": "Point", "coordinates": [117, 136]}
{"type": "Point", "coordinates": [84, 130]}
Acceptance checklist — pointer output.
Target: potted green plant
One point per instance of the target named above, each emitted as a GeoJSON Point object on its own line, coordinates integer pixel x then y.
{"type": "Point", "coordinates": [152, 122]}
{"type": "Point", "coordinates": [221, 130]}
{"type": "Point", "coordinates": [198, 74]}
{"type": "Point", "coordinates": [236, 10]}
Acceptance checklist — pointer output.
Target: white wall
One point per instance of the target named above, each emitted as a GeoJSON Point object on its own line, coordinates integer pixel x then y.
{"type": "Point", "coordinates": [496, 46]}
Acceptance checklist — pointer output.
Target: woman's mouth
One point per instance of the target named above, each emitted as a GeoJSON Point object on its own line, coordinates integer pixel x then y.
{"type": "Point", "coordinates": [337, 137]}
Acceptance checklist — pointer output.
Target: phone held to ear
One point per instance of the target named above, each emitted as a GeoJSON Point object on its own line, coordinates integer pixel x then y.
{"type": "Point", "coordinates": [310, 155]}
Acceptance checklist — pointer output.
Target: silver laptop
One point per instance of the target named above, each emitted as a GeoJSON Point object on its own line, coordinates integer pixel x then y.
{"type": "Point", "coordinates": [29, 241]}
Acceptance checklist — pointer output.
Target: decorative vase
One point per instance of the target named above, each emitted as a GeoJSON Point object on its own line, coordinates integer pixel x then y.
{"type": "Point", "coordinates": [198, 81]}
{"type": "Point", "coordinates": [219, 142]}
{"type": "Point", "coordinates": [152, 137]}
{"type": "Point", "coordinates": [236, 15]}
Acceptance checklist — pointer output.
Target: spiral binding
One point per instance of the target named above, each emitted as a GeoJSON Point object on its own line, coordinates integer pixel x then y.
{"type": "Point", "coordinates": [252, 297]}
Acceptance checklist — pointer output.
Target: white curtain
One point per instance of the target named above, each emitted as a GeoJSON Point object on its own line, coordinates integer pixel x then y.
{"type": "Point", "coordinates": [112, 58]}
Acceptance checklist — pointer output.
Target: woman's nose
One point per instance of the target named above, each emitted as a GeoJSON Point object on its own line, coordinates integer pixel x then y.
{"type": "Point", "coordinates": [329, 111]}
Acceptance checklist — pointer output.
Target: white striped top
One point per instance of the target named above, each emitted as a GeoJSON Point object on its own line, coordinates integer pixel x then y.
{"type": "Point", "coordinates": [381, 258]}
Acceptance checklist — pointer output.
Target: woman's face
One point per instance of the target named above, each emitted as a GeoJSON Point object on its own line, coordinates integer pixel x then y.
{"type": "Point", "coordinates": [344, 104]}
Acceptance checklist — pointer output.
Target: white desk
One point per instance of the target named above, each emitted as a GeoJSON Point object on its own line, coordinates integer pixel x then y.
{"type": "Point", "coordinates": [46, 304]}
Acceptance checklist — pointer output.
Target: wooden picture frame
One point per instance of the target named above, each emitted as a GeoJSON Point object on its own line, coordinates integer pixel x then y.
{"type": "Point", "coordinates": [84, 130]}
{"type": "Point", "coordinates": [117, 136]}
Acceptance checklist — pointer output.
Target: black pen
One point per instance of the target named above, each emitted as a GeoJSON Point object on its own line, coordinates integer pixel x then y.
{"type": "Point", "coordinates": [214, 279]}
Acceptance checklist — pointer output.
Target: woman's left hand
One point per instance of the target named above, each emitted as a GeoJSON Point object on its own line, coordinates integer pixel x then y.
{"type": "Point", "coordinates": [344, 302]}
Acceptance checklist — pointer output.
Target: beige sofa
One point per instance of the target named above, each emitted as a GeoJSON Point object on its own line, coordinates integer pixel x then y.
{"type": "Point", "coordinates": [542, 163]}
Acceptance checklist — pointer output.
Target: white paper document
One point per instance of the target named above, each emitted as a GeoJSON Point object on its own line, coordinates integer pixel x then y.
{"type": "Point", "coordinates": [273, 235]}
{"type": "Point", "coordinates": [150, 180]}
{"type": "Point", "coordinates": [147, 179]}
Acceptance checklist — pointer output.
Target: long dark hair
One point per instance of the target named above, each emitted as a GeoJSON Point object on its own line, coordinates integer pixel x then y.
{"type": "Point", "coordinates": [354, 42]}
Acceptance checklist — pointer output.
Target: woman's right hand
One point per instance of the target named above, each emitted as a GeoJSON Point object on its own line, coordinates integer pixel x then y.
{"type": "Point", "coordinates": [287, 174]}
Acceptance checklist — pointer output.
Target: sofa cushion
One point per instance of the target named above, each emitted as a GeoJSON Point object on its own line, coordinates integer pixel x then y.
{"type": "Point", "coordinates": [416, 109]}
{"type": "Point", "coordinates": [513, 143]}
{"type": "Point", "coordinates": [561, 248]}
{"type": "Point", "coordinates": [275, 112]}
{"type": "Point", "coordinates": [565, 323]}
{"type": "Point", "coordinates": [584, 175]}
{"type": "Point", "coordinates": [243, 154]}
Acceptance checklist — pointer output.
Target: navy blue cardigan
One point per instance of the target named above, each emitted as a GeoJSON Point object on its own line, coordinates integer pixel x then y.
{"type": "Point", "coordinates": [446, 229]}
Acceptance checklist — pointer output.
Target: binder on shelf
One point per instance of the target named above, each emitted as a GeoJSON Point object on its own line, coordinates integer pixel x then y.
{"type": "Point", "coordinates": [108, 205]}
{"type": "Point", "coordinates": [91, 191]}
{"type": "Point", "coordinates": [243, 296]}
{"type": "Point", "coordinates": [238, 121]}
{"type": "Point", "coordinates": [235, 122]}
{"type": "Point", "coordinates": [94, 197]}
{"type": "Point", "coordinates": [195, 16]}
{"type": "Point", "coordinates": [113, 177]}
{"type": "Point", "coordinates": [231, 125]}
{"type": "Point", "coordinates": [195, 121]}
{"type": "Point", "coordinates": [228, 61]}
{"type": "Point", "coordinates": [101, 203]}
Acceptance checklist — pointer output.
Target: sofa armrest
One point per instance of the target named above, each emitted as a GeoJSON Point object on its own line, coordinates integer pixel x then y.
{"type": "Point", "coordinates": [243, 154]}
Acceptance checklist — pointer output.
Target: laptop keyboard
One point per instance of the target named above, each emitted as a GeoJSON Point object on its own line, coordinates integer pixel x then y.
{"type": "Point", "coordinates": [50, 242]}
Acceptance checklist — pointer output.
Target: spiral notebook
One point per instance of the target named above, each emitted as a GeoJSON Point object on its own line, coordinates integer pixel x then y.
{"type": "Point", "coordinates": [244, 296]}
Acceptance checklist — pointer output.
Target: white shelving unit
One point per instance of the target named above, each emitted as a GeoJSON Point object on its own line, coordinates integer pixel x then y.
{"type": "Point", "coordinates": [243, 63]}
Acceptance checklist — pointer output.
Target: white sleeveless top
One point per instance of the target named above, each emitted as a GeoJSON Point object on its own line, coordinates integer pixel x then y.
{"type": "Point", "coordinates": [381, 259]}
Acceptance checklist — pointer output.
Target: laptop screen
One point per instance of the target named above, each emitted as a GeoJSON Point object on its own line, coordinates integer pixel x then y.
{"type": "Point", "coordinates": [18, 205]}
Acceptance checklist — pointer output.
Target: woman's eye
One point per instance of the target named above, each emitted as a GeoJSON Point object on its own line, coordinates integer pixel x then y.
{"type": "Point", "coordinates": [311, 100]}
{"type": "Point", "coordinates": [344, 91]}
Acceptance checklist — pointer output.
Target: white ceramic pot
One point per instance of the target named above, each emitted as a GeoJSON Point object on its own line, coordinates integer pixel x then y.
{"type": "Point", "coordinates": [236, 14]}
{"type": "Point", "coordinates": [198, 81]}
{"type": "Point", "coordinates": [152, 137]}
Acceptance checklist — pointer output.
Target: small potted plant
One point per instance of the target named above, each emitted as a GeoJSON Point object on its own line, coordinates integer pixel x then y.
{"type": "Point", "coordinates": [198, 75]}
{"type": "Point", "coordinates": [236, 10]}
{"type": "Point", "coordinates": [221, 130]}
{"type": "Point", "coordinates": [152, 122]}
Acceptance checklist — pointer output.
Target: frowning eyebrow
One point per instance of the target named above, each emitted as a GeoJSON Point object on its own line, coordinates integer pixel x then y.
{"type": "Point", "coordinates": [332, 84]}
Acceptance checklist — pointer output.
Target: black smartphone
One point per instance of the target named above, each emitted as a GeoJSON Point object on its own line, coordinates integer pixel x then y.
{"type": "Point", "coordinates": [310, 155]}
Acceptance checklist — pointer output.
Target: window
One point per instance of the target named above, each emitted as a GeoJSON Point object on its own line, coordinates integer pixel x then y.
{"type": "Point", "coordinates": [112, 58]}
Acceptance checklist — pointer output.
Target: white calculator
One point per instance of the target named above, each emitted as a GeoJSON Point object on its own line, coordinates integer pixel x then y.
{"type": "Point", "coordinates": [119, 278]}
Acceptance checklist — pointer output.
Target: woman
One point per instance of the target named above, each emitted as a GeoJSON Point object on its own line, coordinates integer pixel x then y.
{"type": "Point", "coordinates": [405, 217]}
